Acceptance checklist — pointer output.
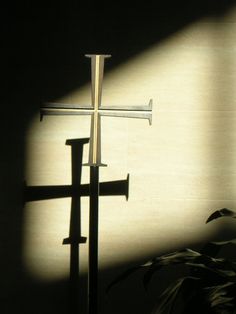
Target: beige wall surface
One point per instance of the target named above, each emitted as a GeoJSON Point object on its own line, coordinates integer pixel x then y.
{"type": "Point", "coordinates": [181, 168]}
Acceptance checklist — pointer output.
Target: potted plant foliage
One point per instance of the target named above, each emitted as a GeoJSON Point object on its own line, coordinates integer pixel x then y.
{"type": "Point", "coordinates": [210, 282]}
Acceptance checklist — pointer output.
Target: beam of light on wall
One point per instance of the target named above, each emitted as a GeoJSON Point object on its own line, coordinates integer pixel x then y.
{"type": "Point", "coordinates": [175, 183]}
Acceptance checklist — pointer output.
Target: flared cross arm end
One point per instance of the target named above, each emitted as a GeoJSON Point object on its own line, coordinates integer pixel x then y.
{"type": "Point", "coordinates": [149, 116]}
{"type": "Point", "coordinates": [146, 112]}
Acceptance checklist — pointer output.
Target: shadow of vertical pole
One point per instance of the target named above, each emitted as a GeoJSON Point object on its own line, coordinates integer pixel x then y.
{"type": "Point", "coordinates": [75, 237]}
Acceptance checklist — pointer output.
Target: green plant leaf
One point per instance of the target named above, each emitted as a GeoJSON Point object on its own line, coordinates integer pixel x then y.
{"type": "Point", "coordinates": [232, 241]}
{"type": "Point", "coordinates": [213, 248]}
{"type": "Point", "coordinates": [221, 297]}
{"type": "Point", "coordinates": [155, 264]}
{"type": "Point", "coordinates": [177, 257]}
{"type": "Point", "coordinates": [221, 269]}
{"type": "Point", "coordinates": [213, 270]}
{"type": "Point", "coordinates": [224, 212]}
{"type": "Point", "coordinates": [122, 277]}
{"type": "Point", "coordinates": [227, 274]}
{"type": "Point", "coordinates": [166, 302]}
{"type": "Point", "coordinates": [148, 275]}
{"type": "Point", "coordinates": [129, 272]}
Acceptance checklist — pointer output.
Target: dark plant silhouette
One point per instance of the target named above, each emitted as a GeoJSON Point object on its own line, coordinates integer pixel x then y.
{"type": "Point", "coordinates": [208, 287]}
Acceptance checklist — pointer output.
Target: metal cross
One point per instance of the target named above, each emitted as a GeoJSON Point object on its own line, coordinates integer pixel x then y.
{"type": "Point", "coordinates": [96, 110]}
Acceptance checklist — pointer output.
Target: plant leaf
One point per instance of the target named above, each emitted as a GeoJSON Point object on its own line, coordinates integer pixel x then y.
{"type": "Point", "coordinates": [129, 272]}
{"type": "Point", "coordinates": [122, 277]}
{"type": "Point", "coordinates": [177, 257]}
{"type": "Point", "coordinates": [224, 212]}
{"type": "Point", "coordinates": [228, 274]}
{"type": "Point", "coordinates": [190, 258]}
{"type": "Point", "coordinates": [221, 296]}
{"type": "Point", "coordinates": [169, 296]}
{"type": "Point", "coordinates": [232, 241]}
{"type": "Point", "coordinates": [148, 275]}
{"type": "Point", "coordinates": [213, 248]}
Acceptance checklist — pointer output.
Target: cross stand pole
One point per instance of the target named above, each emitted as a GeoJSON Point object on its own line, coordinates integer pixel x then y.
{"type": "Point", "coordinates": [93, 240]}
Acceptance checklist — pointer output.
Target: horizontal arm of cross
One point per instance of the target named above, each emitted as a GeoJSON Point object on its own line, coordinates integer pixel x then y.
{"type": "Point", "coordinates": [139, 112]}
{"type": "Point", "coordinates": [58, 109]}
{"type": "Point", "coordinates": [57, 105]}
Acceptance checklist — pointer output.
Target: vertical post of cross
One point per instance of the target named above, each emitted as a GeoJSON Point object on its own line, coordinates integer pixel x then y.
{"type": "Point", "coordinates": [97, 69]}
{"type": "Point", "coordinates": [93, 241]}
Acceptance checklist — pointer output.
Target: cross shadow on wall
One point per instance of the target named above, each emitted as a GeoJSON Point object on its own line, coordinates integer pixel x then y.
{"type": "Point", "coordinates": [75, 191]}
